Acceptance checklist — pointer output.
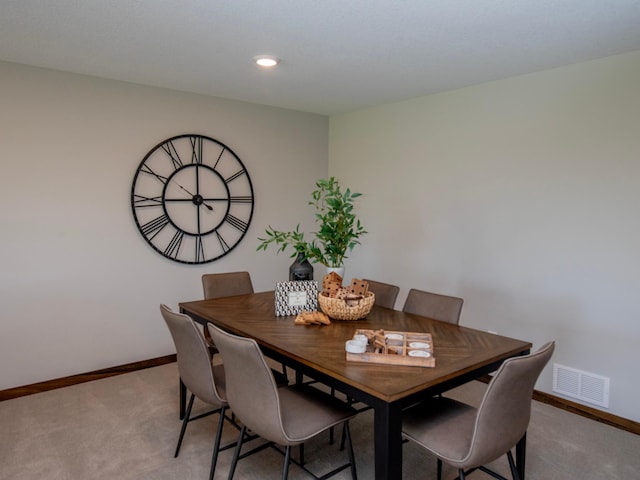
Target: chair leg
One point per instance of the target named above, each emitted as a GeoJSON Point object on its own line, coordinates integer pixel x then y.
{"type": "Point", "coordinates": [185, 420]}
{"type": "Point", "coordinates": [352, 458]}
{"type": "Point", "coordinates": [182, 395]}
{"type": "Point", "coordinates": [461, 474]}
{"type": "Point", "coordinates": [216, 444]}
{"type": "Point", "coordinates": [236, 453]}
{"type": "Point", "coordinates": [512, 466]}
{"type": "Point", "coordinates": [287, 461]}
{"type": "Point", "coordinates": [439, 469]}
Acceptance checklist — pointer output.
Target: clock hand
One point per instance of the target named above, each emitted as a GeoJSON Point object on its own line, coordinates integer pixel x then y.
{"type": "Point", "coordinates": [198, 198]}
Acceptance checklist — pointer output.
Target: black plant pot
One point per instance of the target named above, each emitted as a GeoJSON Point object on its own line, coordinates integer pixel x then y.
{"type": "Point", "coordinates": [300, 269]}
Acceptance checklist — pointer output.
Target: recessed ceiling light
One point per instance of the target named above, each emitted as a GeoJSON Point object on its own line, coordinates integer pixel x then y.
{"type": "Point", "coordinates": [267, 61]}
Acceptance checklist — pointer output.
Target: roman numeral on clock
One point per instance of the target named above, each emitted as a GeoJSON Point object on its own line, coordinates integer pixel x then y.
{"type": "Point", "coordinates": [147, 169]}
{"type": "Point", "coordinates": [223, 243]}
{"type": "Point", "coordinates": [234, 176]}
{"type": "Point", "coordinates": [142, 201]}
{"type": "Point", "coordinates": [236, 223]}
{"type": "Point", "coordinates": [196, 148]}
{"type": "Point", "coordinates": [151, 228]}
{"type": "Point", "coordinates": [170, 149]}
{"type": "Point", "coordinates": [199, 257]}
{"type": "Point", "coordinates": [173, 248]}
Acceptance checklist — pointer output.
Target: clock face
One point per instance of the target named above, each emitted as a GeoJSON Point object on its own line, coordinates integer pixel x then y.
{"type": "Point", "coordinates": [192, 199]}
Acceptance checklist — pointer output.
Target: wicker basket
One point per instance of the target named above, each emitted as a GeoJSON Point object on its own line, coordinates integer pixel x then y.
{"type": "Point", "coordinates": [337, 309]}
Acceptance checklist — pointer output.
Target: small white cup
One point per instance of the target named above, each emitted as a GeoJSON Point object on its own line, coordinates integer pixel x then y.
{"type": "Point", "coordinates": [419, 353]}
{"type": "Point", "coordinates": [394, 338]}
{"type": "Point", "coordinates": [360, 338]}
{"type": "Point", "coordinates": [352, 346]}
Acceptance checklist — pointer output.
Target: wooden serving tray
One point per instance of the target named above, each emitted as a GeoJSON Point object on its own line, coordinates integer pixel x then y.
{"type": "Point", "coordinates": [384, 347]}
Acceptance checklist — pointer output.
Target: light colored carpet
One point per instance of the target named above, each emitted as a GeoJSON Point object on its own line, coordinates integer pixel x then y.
{"type": "Point", "coordinates": [126, 427]}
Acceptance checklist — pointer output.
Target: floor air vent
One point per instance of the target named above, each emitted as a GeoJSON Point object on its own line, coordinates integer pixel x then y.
{"type": "Point", "coordinates": [584, 386]}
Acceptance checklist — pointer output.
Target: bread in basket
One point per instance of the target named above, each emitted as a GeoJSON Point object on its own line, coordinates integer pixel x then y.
{"type": "Point", "coordinates": [346, 308]}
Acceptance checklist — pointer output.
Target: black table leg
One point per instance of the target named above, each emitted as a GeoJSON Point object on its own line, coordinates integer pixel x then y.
{"type": "Point", "coordinates": [521, 455]}
{"type": "Point", "coordinates": [388, 441]}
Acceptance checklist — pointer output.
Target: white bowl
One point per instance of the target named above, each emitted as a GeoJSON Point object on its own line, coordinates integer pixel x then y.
{"type": "Point", "coordinates": [419, 345]}
{"type": "Point", "coordinates": [393, 338]}
{"type": "Point", "coordinates": [352, 346]}
{"type": "Point", "coordinates": [419, 353]}
{"type": "Point", "coordinates": [360, 338]}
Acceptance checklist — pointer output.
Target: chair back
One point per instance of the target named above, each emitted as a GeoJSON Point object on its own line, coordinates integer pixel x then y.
{"type": "Point", "coordinates": [433, 305]}
{"type": "Point", "coordinates": [251, 389]}
{"type": "Point", "coordinates": [503, 416]}
{"type": "Point", "coordinates": [194, 359]}
{"type": "Point", "coordinates": [385, 293]}
{"type": "Point", "coordinates": [217, 285]}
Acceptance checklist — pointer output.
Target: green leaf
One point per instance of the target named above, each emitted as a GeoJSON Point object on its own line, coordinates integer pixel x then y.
{"type": "Point", "coordinates": [338, 228]}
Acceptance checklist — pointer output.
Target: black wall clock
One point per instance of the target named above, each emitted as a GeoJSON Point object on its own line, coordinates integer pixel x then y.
{"type": "Point", "coordinates": [192, 199]}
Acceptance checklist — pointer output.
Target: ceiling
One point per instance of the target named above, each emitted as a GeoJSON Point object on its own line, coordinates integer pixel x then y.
{"type": "Point", "coordinates": [337, 55]}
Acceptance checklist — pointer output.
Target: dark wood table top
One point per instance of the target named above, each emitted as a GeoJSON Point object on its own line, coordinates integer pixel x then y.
{"type": "Point", "coordinates": [459, 351]}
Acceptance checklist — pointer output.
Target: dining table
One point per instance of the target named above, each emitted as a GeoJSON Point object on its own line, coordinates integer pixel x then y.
{"type": "Point", "coordinates": [461, 355]}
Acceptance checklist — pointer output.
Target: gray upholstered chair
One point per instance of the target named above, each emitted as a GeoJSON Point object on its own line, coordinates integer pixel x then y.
{"type": "Point", "coordinates": [433, 305]}
{"type": "Point", "coordinates": [203, 379]}
{"type": "Point", "coordinates": [286, 416]}
{"type": "Point", "coordinates": [385, 293]}
{"type": "Point", "coordinates": [229, 284]}
{"type": "Point", "coordinates": [469, 438]}
{"type": "Point", "coordinates": [217, 285]}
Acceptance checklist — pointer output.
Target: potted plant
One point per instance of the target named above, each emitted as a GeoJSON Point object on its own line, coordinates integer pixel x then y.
{"type": "Point", "coordinates": [338, 228]}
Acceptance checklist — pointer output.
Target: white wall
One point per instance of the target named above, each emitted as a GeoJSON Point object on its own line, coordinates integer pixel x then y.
{"type": "Point", "coordinates": [521, 196]}
{"type": "Point", "coordinates": [79, 287]}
